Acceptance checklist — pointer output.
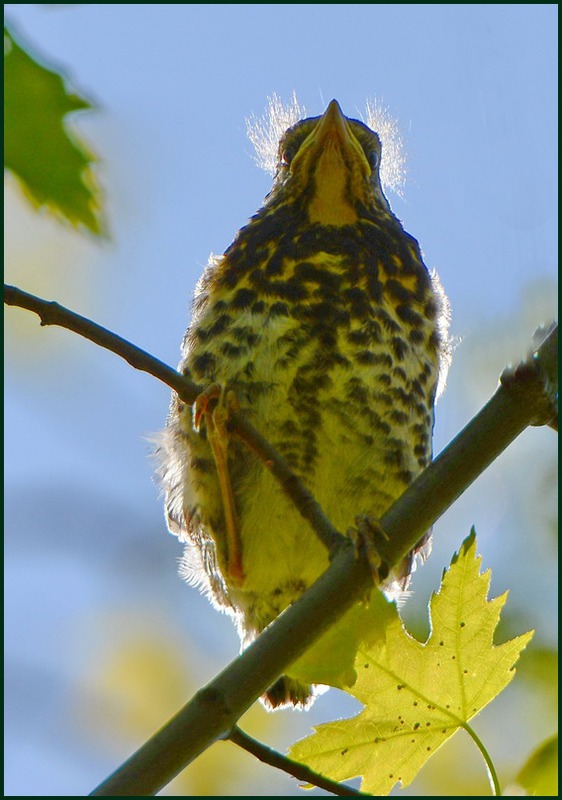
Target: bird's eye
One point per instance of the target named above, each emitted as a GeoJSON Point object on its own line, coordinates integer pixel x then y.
{"type": "Point", "coordinates": [374, 159]}
{"type": "Point", "coordinates": [286, 157]}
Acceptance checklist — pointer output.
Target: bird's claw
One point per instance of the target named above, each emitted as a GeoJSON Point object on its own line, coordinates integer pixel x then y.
{"type": "Point", "coordinates": [364, 538]}
{"type": "Point", "coordinates": [206, 403]}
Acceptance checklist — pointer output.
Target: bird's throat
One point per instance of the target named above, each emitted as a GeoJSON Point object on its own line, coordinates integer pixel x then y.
{"type": "Point", "coordinates": [331, 201]}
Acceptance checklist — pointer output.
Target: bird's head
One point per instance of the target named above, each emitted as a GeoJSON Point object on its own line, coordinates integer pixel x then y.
{"type": "Point", "coordinates": [329, 165]}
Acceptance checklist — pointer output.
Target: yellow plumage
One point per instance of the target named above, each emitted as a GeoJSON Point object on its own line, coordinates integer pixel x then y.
{"type": "Point", "coordinates": [324, 323]}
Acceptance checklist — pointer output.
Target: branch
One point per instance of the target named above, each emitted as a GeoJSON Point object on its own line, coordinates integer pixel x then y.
{"type": "Point", "coordinates": [523, 400]}
{"type": "Point", "coordinates": [51, 313]}
{"type": "Point", "coordinates": [525, 397]}
{"type": "Point", "coordinates": [299, 771]}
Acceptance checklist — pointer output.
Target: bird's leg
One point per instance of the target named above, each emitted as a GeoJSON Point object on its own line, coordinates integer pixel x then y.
{"type": "Point", "coordinates": [214, 405]}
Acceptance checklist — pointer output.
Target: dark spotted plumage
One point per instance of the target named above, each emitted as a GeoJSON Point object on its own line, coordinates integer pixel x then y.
{"type": "Point", "coordinates": [323, 320]}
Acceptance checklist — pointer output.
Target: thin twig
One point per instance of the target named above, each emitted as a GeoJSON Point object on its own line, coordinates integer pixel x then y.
{"type": "Point", "coordinates": [291, 484]}
{"type": "Point", "coordinates": [52, 313]}
{"type": "Point", "coordinates": [279, 761]}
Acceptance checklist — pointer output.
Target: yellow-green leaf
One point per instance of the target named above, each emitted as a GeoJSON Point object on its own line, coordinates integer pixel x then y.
{"type": "Point", "coordinates": [539, 776]}
{"type": "Point", "coordinates": [416, 695]}
{"type": "Point", "coordinates": [332, 659]}
{"type": "Point", "coordinates": [52, 165]}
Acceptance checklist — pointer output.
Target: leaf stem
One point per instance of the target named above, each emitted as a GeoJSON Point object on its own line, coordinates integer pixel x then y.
{"type": "Point", "coordinates": [490, 768]}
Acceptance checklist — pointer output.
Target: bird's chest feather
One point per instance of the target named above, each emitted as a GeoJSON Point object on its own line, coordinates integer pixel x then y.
{"type": "Point", "coordinates": [328, 365]}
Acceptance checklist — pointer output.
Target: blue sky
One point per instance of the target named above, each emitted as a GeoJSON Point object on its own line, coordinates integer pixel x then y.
{"type": "Point", "coordinates": [473, 88]}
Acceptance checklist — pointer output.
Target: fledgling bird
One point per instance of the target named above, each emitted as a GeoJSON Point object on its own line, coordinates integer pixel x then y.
{"type": "Point", "coordinates": [323, 323]}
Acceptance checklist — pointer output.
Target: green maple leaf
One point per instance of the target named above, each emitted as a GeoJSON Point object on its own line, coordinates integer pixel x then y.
{"type": "Point", "coordinates": [416, 695]}
{"type": "Point", "coordinates": [332, 659]}
{"type": "Point", "coordinates": [52, 165]}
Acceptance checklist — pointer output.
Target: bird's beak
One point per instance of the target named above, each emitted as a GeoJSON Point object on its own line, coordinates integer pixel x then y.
{"type": "Point", "coordinates": [332, 163]}
{"type": "Point", "coordinates": [333, 133]}
{"type": "Point", "coordinates": [333, 127]}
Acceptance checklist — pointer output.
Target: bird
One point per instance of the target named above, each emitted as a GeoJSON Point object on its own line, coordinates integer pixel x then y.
{"type": "Point", "coordinates": [322, 325]}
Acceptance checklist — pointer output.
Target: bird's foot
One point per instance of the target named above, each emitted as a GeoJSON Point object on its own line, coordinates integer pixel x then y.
{"type": "Point", "coordinates": [214, 406]}
{"type": "Point", "coordinates": [365, 538]}
{"type": "Point", "coordinates": [206, 404]}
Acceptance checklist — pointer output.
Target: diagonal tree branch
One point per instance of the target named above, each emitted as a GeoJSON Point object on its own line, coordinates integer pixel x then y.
{"type": "Point", "coordinates": [523, 400]}
{"type": "Point", "coordinates": [525, 397]}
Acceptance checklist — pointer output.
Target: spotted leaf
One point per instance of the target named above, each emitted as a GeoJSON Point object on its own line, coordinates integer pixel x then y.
{"type": "Point", "coordinates": [416, 695]}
